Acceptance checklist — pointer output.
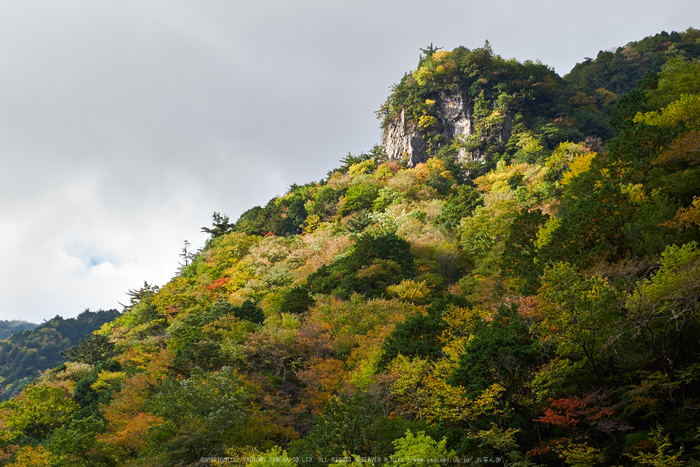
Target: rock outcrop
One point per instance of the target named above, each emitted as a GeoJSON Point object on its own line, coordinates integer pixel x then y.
{"type": "Point", "coordinates": [405, 141]}
{"type": "Point", "coordinates": [454, 113]}
{"type": "Point", "coordinates": [402, 141]}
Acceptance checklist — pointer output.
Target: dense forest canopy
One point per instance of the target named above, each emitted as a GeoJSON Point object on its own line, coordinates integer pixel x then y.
{"type": "Point", "coordinates": [36, 348]}
{"type": "Point", "coordinates": [528, 295]}
{"type": "Point", "coordinates": [9, 327]}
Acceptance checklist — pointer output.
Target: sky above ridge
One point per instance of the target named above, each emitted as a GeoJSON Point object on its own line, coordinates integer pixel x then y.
{"type": "Point", "coordinates": [124, 125]}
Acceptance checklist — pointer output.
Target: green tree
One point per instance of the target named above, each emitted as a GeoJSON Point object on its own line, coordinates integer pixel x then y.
{"type": "Point", "coordinates": [581, 318]}
{"type": "Point", "coordinates": [37, 412]}
{"type": "Point", "coordinates": [74, 443]}
{"type": "Point", "coordinates": [296, 300]}
{"type": "Point", "coordinates": [500, 351]}
{"type": "Point", "coordinates": [286, 215]}
{"type": "Point", "coordinates": [459, 205]}
{"type": "Point", "coordinates": [421, 448]}
{"type": "Point", "coordinates": [325, 202]}
{"type": "Point", "coordinates": [520, 252]}
{"type": "Point", "coordinates": [356, 425]}
{"type": "Point", "coordinates": [93, 349]}
{"type": "Point", "coordinates": [664, 455]}
{"type": "Point", "coordinates": [358, 197]}
{"type": "Point", "coordinates": [589, 226]}
{"type": "Point", "coordinates": [373, 263]}
{"type": "Point", "coordinates": [221, 225]}
{"type": "Point", "coordinates": [252, 221]}
{"type": "Point", "coordinates": [418, 336]}
{"type": "Point", "coordinates": [202, 412]}
{"type": "Point", "coordinates": [249, 311]}
{"type": "Point", "coordinates": [665, 311]}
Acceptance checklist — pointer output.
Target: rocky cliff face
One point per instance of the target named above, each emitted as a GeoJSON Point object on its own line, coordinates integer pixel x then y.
{"type": "Point", "coordinates": [404, 141]}
{"type": "Point", "coordinates": [454, 113]}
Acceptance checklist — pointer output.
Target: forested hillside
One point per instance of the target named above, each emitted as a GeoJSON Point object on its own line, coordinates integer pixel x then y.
{"type": "Point", "coordinates": [527, 295]}
{"type": "Point", "coordinates": [7, 328]}
{"type": "Point", "coordinates": [26, 354]}
{"type": "Point", "coordinates": [619, 70]}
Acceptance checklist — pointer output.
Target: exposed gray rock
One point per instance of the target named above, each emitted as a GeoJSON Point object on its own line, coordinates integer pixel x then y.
{"type": "Point", "coordinates": [454, 113]}
{"type": "Point", "coordinates": [507, 129]}
{"type": "Point", "coordinates": [404, 142]}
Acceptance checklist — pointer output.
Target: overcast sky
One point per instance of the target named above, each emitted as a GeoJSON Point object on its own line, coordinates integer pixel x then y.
{"type": "Point", "coordinates": [125, 124]}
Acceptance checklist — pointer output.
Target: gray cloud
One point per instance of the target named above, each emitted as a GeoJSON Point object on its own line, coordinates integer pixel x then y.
{"type": "Point", "coordinates": [124, 125]}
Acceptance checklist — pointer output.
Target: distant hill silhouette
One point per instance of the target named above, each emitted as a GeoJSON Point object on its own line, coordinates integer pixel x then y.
{"type": "Point", "coordinates": [25, 354]}
{"type": "Point", "coordinates": [9, 327]}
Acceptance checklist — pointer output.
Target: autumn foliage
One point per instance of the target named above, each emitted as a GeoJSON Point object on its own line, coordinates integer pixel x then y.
{"type": "Point", "coordinates": [523, 297]}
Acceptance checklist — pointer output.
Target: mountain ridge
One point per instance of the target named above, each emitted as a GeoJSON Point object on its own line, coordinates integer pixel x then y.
{"type": "Point", "coordinates": [529, 300]}
{"type": "Point", "coordinates": [9, 327]}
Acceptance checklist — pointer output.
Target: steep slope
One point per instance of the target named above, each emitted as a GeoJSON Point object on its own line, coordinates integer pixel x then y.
{"type": "Point", "coordinates": [538, 305]}
{"type": "Point", "coordinates": [618, 70]}
{"type": "Point", "coordinates": [481, 108]}
{"type": "Point", "coordinates": [475, 106]}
